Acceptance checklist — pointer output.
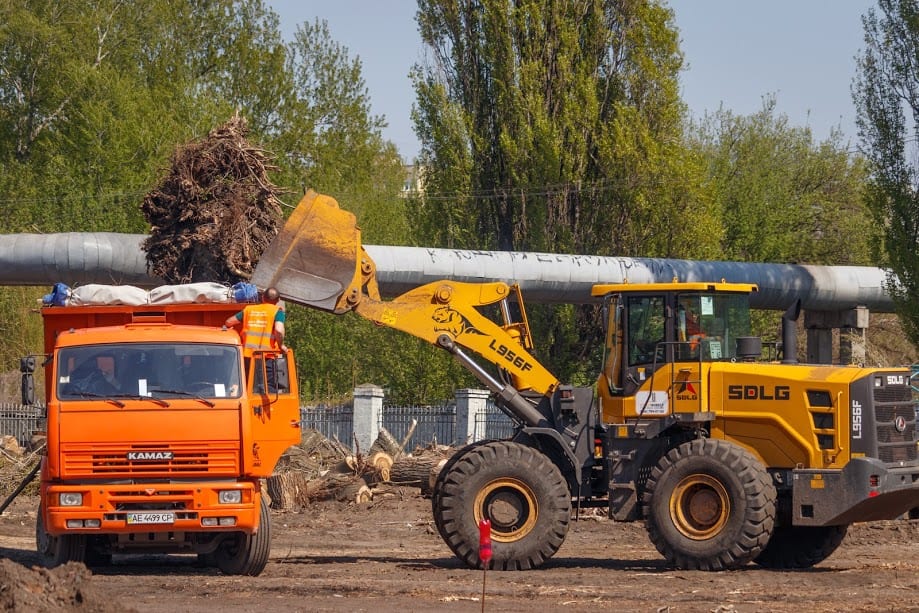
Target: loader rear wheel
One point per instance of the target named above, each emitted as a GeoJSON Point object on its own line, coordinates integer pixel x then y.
{"type": "Point", "coordinates": [519, 490]}
{"type": "Point", "coordinates": [709, 505]}
{"type": "Point", "coordinates": [57, 550]}
{"type": "Point", "coordinates": [247, 554]}
{"type": "Point", "coordinates": [801, 546]}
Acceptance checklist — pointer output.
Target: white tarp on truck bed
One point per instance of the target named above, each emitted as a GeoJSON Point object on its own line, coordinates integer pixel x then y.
{"type": "Point", "coordinates": [187, 293]}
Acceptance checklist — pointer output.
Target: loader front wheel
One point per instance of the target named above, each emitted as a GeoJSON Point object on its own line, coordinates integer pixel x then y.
{"type": "Point", "coordinates": [519, 490]}
{"type": "Point", "coordinates": [247, 554]}
{"type": "Point", "coordinates": [709, 505]}
{"type": "Point", "coordinates": [801, 546]}
{"type": "Point", "coordinates": [437, 490]}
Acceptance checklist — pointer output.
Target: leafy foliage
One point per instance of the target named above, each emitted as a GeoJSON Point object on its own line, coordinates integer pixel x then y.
{"type": "Point", "coordinates": [550, 126]}
{"type": "Point", "coordinates": [886, 94]}
{"type": "Point", "coordinates": [783, 197]}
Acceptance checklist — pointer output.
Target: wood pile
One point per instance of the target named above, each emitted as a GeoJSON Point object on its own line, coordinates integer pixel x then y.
{"type": "Point", "coordinates": [16, 463]}
{"type": "Point", "coordinates": [215, 211]}
{"type": "Point", "coordinates": [323, 469]}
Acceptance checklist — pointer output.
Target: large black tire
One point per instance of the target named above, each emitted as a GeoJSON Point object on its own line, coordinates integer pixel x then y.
{"type": "Point", "coordinates": [709, 505]}
{"type": "Point", "coordinates": [800, 546]}
{"type": "Point", "coordinates": [437, 490]}
{"type": "Point", "coordinates": [519, 490]}
{"type": "Point", "coordinates": [246, 554]}
{"type": "Point", "coordinates": [57, 550]}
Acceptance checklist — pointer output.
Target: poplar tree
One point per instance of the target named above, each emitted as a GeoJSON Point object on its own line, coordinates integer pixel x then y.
{"type": "Point", "coordinates": [886, 95]}
{"type": "Point", "coordinates": [557, 126]}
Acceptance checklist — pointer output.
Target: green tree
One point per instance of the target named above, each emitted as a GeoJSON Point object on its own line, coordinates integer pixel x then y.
{"type": "Point", "coordinates": [93, 96]}
{"type": "Point", "coordinates": [784, 197]}
{"type": "Point", "coordinates": [557, 126]}
{"type": "Point", "coordinates": [333, 143]}
{"type": "Point", "coordinates": [886, 95]}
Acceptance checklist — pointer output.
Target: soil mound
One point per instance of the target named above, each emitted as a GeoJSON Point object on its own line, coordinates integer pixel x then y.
{"type": "Point", "coordinates": [65, 588]}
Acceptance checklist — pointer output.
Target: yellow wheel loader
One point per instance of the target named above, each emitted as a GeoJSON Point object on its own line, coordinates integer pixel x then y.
{"type": "Point", "coordinates": [727, 457]}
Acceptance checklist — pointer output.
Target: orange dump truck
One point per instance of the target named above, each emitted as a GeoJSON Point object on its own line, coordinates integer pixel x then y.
{"type": "Point", "coordinates": [158, 435]}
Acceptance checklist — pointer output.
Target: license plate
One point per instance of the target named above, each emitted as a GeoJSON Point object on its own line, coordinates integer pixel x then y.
{"type": "Point", "coordinates": [152, 518]}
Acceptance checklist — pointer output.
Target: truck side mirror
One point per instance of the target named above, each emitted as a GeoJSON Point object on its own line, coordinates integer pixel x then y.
{"type": "Point", "coordinates": [27, 368]}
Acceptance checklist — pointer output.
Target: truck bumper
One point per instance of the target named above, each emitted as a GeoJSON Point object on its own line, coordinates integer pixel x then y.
{"type": "Point", "coordinates": [865, 490]}
{"type": "Point", "coordinates": [150, 508]}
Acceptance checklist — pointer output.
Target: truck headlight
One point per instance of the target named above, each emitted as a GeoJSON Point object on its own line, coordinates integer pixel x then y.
{"type": "Point", "coordinates": [229, 496]}
{"type": "Point", "coordinates": [71, 499]}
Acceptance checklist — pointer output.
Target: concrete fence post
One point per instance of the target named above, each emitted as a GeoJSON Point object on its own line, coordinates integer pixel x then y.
{"type": "Point", "coordinates": [368, 412]}
{"type": "Point", "coordinates": [470, 404]}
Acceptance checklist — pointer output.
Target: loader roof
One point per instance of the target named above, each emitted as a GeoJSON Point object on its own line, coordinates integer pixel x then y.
{"type": "Point", "coordinates": [602, 289]}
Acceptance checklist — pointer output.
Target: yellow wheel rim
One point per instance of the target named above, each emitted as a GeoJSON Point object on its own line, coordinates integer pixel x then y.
{"type": "Point", "coordinates": [510, 505]}
{"type": "Point", "coordinates": [699, 507]}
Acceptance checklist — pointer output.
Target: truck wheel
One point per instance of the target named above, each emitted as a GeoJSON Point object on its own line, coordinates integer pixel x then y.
{"type": "Point", "coordinates": [247, 554]}
{"type": "Point", "coordinates": [800, 546]}
{"type": "Point", "coordinates": [519, 490]}
{"type": "Point", "coordinates": [709, 505]}
{"type": "Point", "coordinates": [57, 550]}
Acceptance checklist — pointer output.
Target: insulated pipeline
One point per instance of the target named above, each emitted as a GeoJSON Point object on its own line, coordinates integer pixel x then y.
{"type": "Point", "coordinates": [106, 257]}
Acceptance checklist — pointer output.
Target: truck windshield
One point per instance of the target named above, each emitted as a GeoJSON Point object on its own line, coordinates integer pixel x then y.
{"type": "Point", "coordinates": [151, 370]}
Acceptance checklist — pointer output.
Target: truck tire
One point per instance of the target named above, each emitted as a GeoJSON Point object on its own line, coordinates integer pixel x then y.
{"type": "Point", "coordinates": [57, 550]}
{"type": "Point", "coordinates": [800, 546]}
{"type": "Point", "coordinates": [519, 490]}
{"type": "Point", "coordinates": [709, 505]}
{"type": "Point", "coordinates": [247, 554]}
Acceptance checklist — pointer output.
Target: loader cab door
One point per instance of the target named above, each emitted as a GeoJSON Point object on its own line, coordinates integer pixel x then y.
{"type": "Point", "coordinates": [637, 335]}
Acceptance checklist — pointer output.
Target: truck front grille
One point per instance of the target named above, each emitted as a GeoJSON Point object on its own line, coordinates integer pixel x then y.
{"type": "Point", "coordinates": [895, 419]}
{"type": "Point", "coordinates": [102, 460]}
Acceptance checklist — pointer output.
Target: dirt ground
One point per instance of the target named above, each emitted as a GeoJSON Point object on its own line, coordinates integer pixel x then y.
{"type": "Point", "coordinates": [385, 556]}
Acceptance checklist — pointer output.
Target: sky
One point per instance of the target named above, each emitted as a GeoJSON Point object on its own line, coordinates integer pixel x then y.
{"type": "Point", "coordinates": [736, 51]}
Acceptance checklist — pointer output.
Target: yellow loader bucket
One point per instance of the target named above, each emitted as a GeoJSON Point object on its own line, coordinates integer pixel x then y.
{"type": "Point", "coordinates": [317, 259]}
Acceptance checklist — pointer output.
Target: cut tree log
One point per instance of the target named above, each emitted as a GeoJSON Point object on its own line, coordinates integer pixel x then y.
{"type": "Point", "coordinates": [291, 490]}
{"type": "Point", "coordinates": [356, 491]}
{"type": "Point", "coordinates": [381, 463]}
{"type": "Point", "coordinates": [432, 477]}
{"type": "Point", "coordinates": [386, 443]}
{"type": "Point", "coordinates": [413, 471]}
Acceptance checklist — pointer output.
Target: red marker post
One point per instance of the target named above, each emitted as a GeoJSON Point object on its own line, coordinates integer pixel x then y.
{"type": "Point", "coordinates": [484, 552]}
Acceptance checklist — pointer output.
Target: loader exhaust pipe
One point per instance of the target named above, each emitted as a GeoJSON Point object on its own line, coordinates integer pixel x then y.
{"type": "Point", "coordinates": [790, 333]}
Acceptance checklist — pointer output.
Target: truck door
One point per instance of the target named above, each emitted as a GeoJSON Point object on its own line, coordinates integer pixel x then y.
{"type": "Point", "coordinates": [274, 415]}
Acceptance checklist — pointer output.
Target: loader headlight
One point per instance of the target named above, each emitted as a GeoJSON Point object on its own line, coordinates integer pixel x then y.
{"type": "Point", "coordinates": [229, 496]}
{"type": "Point", "coordinates": [71, 499]}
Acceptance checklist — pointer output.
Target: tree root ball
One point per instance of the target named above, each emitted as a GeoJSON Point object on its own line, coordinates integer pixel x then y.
{"type": "Point", "coordinates": [215, 211]}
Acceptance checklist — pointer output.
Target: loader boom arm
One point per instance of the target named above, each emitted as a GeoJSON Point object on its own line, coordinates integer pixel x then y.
{"type": "Point", "coordinates": [317, 260]}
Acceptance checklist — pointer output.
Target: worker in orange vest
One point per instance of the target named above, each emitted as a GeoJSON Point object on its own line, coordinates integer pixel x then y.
{"type": "Point", "coordinates": [262, 324]}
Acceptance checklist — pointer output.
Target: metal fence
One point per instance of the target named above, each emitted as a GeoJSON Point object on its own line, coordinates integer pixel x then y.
{"type": "Point", "coordinates": [493, 424]}
{"type": "Point", "coordinates": [332, 421]}
{"type": "Point", "coordinates": [436, 424]}
{"type": "Point", "coordinates": [21, 422]}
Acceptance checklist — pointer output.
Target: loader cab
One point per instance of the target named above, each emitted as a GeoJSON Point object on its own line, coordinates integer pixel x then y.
{"type": "Point", "coordinates": [652, 326]}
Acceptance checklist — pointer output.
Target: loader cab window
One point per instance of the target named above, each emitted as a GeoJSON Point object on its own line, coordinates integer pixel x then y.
{"type": "Point", "coordinates": [646, 329]}
{"type": "Point", "coordinates": [612, 354]}
{"type": "Point", "coordinates": [707, 325]}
